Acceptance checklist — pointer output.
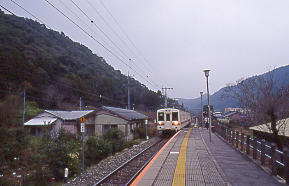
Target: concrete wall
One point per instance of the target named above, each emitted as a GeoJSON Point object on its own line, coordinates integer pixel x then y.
{"type": "Point", "coordinates": [105, 118]}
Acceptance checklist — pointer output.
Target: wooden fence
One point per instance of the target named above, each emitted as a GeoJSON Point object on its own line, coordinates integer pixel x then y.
{"type": "Point", "coordinates": [260, 150]}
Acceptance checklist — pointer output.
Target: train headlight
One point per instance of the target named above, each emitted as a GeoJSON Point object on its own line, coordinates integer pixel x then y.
{"type": "Point", "coordinates": [176, 123]}
{"type": "Point", "coordinates": [160, 123]}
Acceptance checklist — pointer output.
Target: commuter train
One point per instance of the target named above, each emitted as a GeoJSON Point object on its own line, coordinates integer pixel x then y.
{"type": "Point", "coordinates": [172, 119]}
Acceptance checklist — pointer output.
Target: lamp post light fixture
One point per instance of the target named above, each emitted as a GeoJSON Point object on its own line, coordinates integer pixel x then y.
{"type": "Point", "coordinates": [209, 108]}
{"type": "Point", "coordinates": [202, 123]}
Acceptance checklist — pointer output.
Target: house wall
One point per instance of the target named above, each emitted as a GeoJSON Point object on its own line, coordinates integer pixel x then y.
{"type": "Point", "coordinates": [105, 118]}
{"type": "Point", "coordinates": [56, 127]}
{"type": "Point", "coordinates": [70, 127]}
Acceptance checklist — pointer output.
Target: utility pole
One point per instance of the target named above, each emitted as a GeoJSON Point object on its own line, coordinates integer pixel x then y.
{"type": "Point", "coordinates": [80, 103]}
{"type": "Point", "coordinates": [164, 89]}
{"type": "Point", "coordinates": [128, 92]}
{"type": "Point", "coordinates": [24, 99]}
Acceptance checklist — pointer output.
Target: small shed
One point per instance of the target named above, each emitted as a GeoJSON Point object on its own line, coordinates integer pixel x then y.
{"type": "Point", "coordinates": [123, 119]}
{"type": "Point", "coordinates": [53, 121]}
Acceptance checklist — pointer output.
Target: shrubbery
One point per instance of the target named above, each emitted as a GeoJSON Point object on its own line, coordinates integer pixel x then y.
{"type": "Point", "coordinates": [98, 148]}
{"type": "Point", "coordinates": [37, 159]}
{"type": "Point", "coordinates": [40, 160]}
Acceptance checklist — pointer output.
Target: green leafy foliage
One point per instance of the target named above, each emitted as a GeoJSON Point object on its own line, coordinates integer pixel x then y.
{"type": "Point", "coordinates": [56, 71]}
{"type": "Point", "coordinates": [98, 148]}
{"type": "Point", "coordinates": [63, 152]}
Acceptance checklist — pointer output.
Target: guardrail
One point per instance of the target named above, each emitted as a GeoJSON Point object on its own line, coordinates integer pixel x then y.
{"type": "Point", "coordinates": [267, 155]}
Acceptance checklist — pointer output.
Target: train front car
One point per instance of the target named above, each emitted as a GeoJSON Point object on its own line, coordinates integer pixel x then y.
{"type": "Point", "coordinates": [168, 119]}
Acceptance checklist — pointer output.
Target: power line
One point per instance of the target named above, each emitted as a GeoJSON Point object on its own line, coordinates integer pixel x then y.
{"type": "Point", "coordinates": [40, 21]}
{"type": "Point", "coordinates": [111, 28]}
{"type": "Point", "coordinates": [78, 27]}
{"type": "Point", "coordinates": [111, 52]}
{"type": "Point", "coordinates": [82, 21]}
{"type": "Point", "coordinates": [114, 44]}
{"type": "Point", "coordinates": [89, 18]}
{"type": "Point", "coordinates": [120, 27]}
{"type": "Point", "coordinates": [126, 35]}
{"type": "Point", "coordinates": [7, 10]}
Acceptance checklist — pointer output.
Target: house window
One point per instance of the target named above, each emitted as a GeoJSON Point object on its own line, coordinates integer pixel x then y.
{"type": "Point", "coordinates": [131, 128]}
{"type": "Point", "coordinates": [105, 128]}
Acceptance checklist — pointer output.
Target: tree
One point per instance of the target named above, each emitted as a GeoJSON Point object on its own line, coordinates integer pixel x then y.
{"type": "Point", "coordinates": [265, 100]}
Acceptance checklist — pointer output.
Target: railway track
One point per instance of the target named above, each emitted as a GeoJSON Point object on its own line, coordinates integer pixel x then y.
{"type": "Point", "coordinates": [127, 172]}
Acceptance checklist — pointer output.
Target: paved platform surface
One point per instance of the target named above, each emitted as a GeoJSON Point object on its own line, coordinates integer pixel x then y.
{"type": "Point", "coordinates": [238, 169]}
{"type": "Point", "coordinates": [207, 163]}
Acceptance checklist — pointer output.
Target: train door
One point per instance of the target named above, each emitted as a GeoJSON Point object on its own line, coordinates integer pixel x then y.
{"type": "Point", "coordinates": [168, 120]}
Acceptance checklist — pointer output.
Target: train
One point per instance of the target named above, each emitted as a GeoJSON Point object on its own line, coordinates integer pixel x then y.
{"type": "Point", "coordinates": [172, 119]}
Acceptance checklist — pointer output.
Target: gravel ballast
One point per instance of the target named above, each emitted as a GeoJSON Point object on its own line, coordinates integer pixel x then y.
{"type": "Point", "coordinates": [103, 168]}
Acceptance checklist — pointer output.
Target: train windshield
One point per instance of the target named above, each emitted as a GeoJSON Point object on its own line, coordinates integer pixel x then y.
{"type": "Point", "coordinates": [175, 116]}
{"type": "Point", "coordinates": [168, 117]}
{"type": "Point", "coordinates": [161, 116]}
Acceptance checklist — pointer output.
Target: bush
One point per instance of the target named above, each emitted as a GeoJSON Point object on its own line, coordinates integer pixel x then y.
{"type": "Point", "coordinates": [140, 132]}
{"type": "Point", "coordinates": [96, 150]}
{"type": "Point", "coordinates": [115, 138]}
{"type": "Point", "coordinates": [63, 151]}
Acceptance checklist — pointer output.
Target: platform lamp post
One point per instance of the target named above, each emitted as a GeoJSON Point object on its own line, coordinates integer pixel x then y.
{"type": "Point", "coordinates": [202, 109]}
{"type": "Point", "coordinates": [209, 108]}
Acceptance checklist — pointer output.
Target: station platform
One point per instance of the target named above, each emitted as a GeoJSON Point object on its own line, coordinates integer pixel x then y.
{"type": "Point", "coordinates": [189, 158]}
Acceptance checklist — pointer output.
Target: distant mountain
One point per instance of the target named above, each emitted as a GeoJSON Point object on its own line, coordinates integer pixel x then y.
{"type": "Point", "coordinates": [280, 75]}
{"type": "Point", "coordinates": [57, 71]}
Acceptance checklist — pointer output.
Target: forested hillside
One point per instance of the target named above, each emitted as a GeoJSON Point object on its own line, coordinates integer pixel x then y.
{"type": "Point", "coordinates": [57, 71]}
{"type": "Point", "coordinates": [220, 102]}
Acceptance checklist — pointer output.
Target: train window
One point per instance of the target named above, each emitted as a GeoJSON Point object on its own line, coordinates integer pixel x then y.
{"type": "Point", "coordinates": [175, 116]}
{"type": "Point", "coordinates": [161, 116]}
{"type": "Point", "coordinates": [168, 117]}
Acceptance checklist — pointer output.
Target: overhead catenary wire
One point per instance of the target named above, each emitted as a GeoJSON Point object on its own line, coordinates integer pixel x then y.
{"type": "Point", "coordinates": [99, 27]}
{"type": "Point", "coordinates": [83, 22]}
{"type": "Point", "coordinates": [102, 45]}
{"type": "Point", "coordinates": [40, 21]}
{"type": "Point", "coordinates": [149, 67]}
{"type": "Point", "coordinates": [7, 10]}
{"type": "Point", "coordinates": [107, 49]}
{"type": "Point", "coordinates": [107, 36]}
{"type": "Point", "coordinates": [111, 28]}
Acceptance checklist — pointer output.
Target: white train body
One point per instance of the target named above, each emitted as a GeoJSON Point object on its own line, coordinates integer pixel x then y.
{"type": "Point", "coordinates": [172, 119]}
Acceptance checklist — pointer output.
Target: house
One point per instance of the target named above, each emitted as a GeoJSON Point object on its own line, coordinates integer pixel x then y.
{"type": "Point", "coordinates": [123, 119]}
{"type": "Point", "coordinates": [265, 129]}
{"type": "Point", "coordinates": [52, 121]}
{"type": "Point", "coordinates": [97, 122]}
{"type": "Point", "coordinates": [230, 109]}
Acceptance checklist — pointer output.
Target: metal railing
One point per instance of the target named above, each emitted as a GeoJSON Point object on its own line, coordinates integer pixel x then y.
{"type": "Point", "coordinates": [267, 155]}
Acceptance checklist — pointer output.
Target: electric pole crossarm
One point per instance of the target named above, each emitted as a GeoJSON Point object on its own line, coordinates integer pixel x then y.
{"type": "Point", "coordinates": [164, 89]}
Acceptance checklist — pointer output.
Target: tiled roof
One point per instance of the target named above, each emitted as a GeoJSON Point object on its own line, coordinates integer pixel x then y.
{"type": "Point", "coordinates": [39, 121]}
{"type": "Point", "coordinates": [125, 113]}
{"type": "Point", "coordinates": [282, 126]}
{"type": "Point", "coordinates": [69, 115]}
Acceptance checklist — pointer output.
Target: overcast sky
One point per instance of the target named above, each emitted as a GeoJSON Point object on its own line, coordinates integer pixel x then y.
{"type": "Point", "coordinates": [178, 38]}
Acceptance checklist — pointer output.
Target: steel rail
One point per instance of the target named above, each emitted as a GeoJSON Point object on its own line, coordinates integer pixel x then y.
{"type": "Point", "coordinates": [125, 163]}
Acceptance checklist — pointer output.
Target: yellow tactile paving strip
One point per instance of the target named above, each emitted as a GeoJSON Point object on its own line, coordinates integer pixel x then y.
{"type": "Point", "coordinates": [180, 171]}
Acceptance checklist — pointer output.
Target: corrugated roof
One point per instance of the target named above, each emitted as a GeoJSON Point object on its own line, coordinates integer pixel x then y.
{"type": "Point", "coordinates": [125, 113]}
{"type": "Point", "coordinates": [69, 115]}
{"type": "Point", "coordinates": [282, 125]}
{"type": "Point", "coordinates": [40, 121]}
